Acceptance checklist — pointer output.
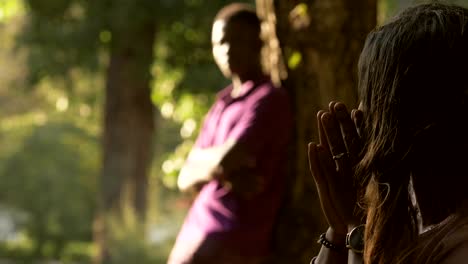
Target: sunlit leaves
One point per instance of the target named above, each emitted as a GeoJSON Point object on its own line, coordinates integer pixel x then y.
{"type": "Point", "coordinates": [167, 109]}
{"type": "Point", "coordinates": [49, 8]}
{"type": "Point", "coordinates": [10, 8]}
{"type": "Point", "coordinates": [62, 104]}
{"type": "Point", "coordinates": [294, 60]}
{"type": "Point", "coordinates": [299, 17]}
{"type": "Point", "coordinates": [60, 35]}
{"type": "Point", "coordinates": [165, 81]}
{"type": "Point", "coordinates": [184, 111]}
{"type": "Point", "coordinates": [173, 163]}
{"type": "Point", "coordinates": [29, 171]}
{"type": "Point", "coordinates": [105, 36]}
{"type": "Point", "coordinates": [188, 128]}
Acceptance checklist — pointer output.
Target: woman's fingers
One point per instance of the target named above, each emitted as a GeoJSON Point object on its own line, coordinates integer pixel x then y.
{"type": "Point", "coordinates": [323, 170]}
{"type": "Point", "coordinates": [327, 164]}
{"type": "Point", "coordinates": [340, 186]}
{"type": "Point", "coordinates": [330, 163]}
{"type": "Point", "coordinates": [314, 165]}
{"type": "Point", "coordinates": [349, 132]}
{"type": "Point", "coordinates": [321, 132]}
{"type": "Point", "coordinates": [331, 106]}
{"type": "Point", "coordinates": [335, 141]}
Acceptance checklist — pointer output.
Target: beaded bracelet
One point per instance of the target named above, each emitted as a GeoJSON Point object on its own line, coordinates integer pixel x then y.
{"type": "Point", "coordinates": [323, 240]}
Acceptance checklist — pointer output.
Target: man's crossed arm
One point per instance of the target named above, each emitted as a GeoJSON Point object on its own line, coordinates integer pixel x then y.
{"type": "Point", "coordinates": [230, 163]}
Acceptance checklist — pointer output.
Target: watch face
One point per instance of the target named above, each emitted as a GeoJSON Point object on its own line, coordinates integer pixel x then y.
{"type": "Point", "coordinates": [356, 239]}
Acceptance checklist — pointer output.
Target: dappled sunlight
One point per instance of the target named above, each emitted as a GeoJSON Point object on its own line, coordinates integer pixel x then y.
{"type": "Point", "coordinates": [9, 9]}
{"type": "Point", "coordinates": [61, 104]}
{"type": "Point", "coordinates": [299, 17]}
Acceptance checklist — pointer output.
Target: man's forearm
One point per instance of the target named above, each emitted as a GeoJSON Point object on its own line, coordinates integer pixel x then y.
{"type": "Point", "coordinates": [192, 174]}
{"type": "Point", "coordinates": [201, 165]}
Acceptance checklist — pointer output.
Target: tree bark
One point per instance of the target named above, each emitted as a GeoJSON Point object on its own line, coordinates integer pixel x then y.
{"type": "Point", "coordinates": [128, 127]}
{"type": "Point", "coordinates": [325, 37]}
{"type": "Point", "coordinates": [128, 123]}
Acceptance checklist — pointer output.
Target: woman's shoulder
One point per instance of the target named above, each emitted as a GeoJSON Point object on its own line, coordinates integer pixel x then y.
{"type": "Point", "coordinates": [446, 242]}
{"type": "Point", "coordinates": [455, 244]}
{"type": "Point", "coordinates": [457, 255]}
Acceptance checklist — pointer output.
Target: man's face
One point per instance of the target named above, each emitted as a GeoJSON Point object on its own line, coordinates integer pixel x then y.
{"type": "Point", "coordinates": [221, 47]}
{"type": "Point", "coordinates": [231, 48]}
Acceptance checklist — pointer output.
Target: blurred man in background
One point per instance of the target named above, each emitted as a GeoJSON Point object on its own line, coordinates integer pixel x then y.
{"type": "Point", "coordinates": [238, 161]}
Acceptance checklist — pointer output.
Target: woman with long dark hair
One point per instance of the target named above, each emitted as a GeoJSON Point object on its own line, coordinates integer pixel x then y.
{"type": "Point", "coordinates": [393, 184]}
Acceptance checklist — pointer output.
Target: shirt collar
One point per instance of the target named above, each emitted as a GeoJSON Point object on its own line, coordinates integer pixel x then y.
{"type": "Point", "coordinates": [247, 88]}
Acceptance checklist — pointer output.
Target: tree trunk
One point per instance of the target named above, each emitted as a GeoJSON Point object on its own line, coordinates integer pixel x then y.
{"type": "Point", "coordinates": [128, 126]}
{"type": "Point", "coordinates": [321, 41]}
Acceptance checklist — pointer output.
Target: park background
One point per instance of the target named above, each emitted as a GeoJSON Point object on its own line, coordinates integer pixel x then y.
{"type": "Point", "coordinates": [101, 100]}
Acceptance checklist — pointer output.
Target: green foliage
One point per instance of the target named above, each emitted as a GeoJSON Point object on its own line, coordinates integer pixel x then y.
{"type": "Point", "coordinates": [129, 242]}
{"type": "Point", "coordinates": [57, 38]}
{"type": "Point", "coordinates": [78, 252]}
{"type": "Point", "coordinates": [56, 192]}
{"type": "Point", "coordinates": [49, 158]}
{"type": "Point", "coordinates": [60, 35]}
{"type": "Point", "coordinates": [9, 8]}
{"type": "Point", "coordinates": [294, 60]}
{"type": "Point", "coordinates": [389, 8]}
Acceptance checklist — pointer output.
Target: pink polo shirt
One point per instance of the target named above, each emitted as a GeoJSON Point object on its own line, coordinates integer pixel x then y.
{"type": "Point", "coordinates": [260, 118]}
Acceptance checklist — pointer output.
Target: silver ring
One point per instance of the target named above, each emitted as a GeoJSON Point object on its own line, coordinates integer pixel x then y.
{"type": "Point", "coordinates": [339, 156]}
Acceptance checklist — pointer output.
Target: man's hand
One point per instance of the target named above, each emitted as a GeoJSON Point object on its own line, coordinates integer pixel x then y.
{"type": "Point", "coordinates": [230, 163]}
{"type": "Point", "coordinates": [245, 182]}
{"type": "Point", "coordinates": [200, 166]}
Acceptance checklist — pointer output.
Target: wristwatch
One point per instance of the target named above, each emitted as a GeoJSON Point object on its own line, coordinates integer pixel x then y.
{"type": "Point", "coordinates": [355, 239]}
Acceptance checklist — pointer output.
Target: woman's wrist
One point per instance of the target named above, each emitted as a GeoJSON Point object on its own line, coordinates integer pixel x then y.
{"type": "Point", "coordinates": [351, 226]}
{"type": "Point", "coordinates": [337, 237]}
